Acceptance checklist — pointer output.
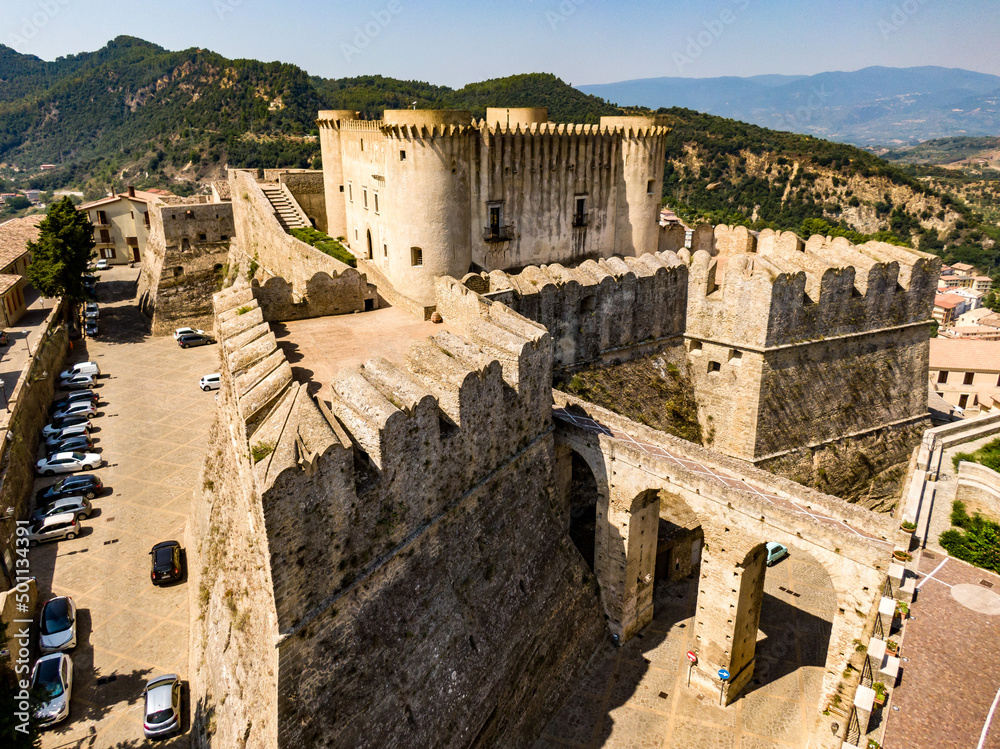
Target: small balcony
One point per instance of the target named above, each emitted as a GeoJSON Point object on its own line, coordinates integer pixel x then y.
{"type": "Point", "coordinates": [579, 222]}
{"type": "Point", "coordinates": [500, 233]}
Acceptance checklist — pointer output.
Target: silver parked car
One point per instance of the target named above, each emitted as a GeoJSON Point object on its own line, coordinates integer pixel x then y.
{"type": "Point", "coordinates": [78, 382]}
{"type": "Point", "coordinates": [162, 711]}
{"type": "Point", "coordinates": [57, 625]}
{"type": "Point", "coordinates": [78, 408]}
{"type": "Point", "coordinates": [52, 683]}
{"type": "Point", "coordinates": [54, 528]}
{"type": "Point", "coordinates": [79, 506]}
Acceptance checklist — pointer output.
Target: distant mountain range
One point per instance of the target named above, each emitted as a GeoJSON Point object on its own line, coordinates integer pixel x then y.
{"type": "Point", "coordinates": [873, 106]}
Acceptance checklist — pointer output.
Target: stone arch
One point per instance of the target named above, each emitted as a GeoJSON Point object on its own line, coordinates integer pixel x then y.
{"type": "Point", "coordinates": [582, 482]}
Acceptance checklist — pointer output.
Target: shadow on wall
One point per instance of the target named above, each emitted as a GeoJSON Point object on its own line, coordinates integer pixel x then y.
{"type": "Point", "coordinates": [324, 295]}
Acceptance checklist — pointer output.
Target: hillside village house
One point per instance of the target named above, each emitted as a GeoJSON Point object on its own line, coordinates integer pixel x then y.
{"type": "Point", "coordinates": [966, 373]}
{"type": "Point", "coordinates": [121, 225]}
{"type": "Point", "coordinates": [948, 307]}
{"type": "Point", "coordinates": [14, 260]}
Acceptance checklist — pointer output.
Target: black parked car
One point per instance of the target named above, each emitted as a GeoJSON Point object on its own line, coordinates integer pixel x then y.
{"type": "Point", "coordinates": [78, 443]}
{"type": "Point", "coordinates": [168, 565]}
{"type": "Point", "coordinates": [85, 485]}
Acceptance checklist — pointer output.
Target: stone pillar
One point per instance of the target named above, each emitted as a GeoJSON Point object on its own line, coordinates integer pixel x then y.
{"type": "Point", "coordinates": [886, 611]}
{"type": "Point", "coordinates": [625, 561]}
{"type": "Point", "coordinates": [730, 594]}
{"type": "Point", "coordinates": [864, 703]}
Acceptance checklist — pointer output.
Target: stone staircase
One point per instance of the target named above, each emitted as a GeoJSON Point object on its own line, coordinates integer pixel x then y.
{"type": "Point", "coordinates": [287, 211]}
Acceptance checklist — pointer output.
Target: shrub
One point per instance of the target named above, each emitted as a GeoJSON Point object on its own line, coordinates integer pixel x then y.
{"type": "Point", "coordinates": [326, 244]}
{"type": "Point", "coordinates": [979, 544]}
{"type": "Point", "coordinates": [261, 450]}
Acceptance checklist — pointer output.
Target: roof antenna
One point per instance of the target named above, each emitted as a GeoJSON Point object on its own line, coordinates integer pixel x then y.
{"type": "Point", "coordinates": [414, 105]}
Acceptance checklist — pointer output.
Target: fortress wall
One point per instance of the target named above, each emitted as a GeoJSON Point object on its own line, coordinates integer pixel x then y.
{"type": "Point", "coordinates": [827, 288]}
{"type": "Point", "coordinates": [537, 178]}
{"type": "Point", "coordinates": [312, 283]}
{"type": "Point", "coordinates": [598, 308]}
{"type": "Point", "coordinates": [184, 264]}
{"type": "Point", "coordinates": [423, 494]}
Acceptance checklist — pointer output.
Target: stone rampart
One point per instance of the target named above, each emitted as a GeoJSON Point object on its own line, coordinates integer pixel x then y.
{"type": "Point", "coordinates": [979, 488]}
{"type": "Point", "coordinates": [412, 521]}
{"type": "Point", "coordinates": [263, 250]}
{"type": "Point", "coordinates": [27, 412]}
{"type": "Point", "coordinates": [184, 263]}
{"type": "Point", "coordinates": [598, 310]}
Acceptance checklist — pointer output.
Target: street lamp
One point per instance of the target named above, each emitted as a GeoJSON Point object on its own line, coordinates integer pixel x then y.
{"type": "Point", "coordinates": [26, 346]}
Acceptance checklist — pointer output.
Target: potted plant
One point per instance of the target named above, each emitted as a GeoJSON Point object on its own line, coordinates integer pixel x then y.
{"type": "Point", "coordinates": [907, 526]}
{"type": "Point", "coordinates": [902, 556]}
{"type": "Point", "coordinates": [879, 688]}
{"type": "Point", "coordinates": [873, 744]}
{"type": "Point", "coordinates": [903, 609]}
{"type": "Point", "coordinates": [892, 646]}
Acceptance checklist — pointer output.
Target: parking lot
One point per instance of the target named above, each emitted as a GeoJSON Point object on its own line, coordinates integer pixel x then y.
{"type": "Point", "coordinates": [151, 430]}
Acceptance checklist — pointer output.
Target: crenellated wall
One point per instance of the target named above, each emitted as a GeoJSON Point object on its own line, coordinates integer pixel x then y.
{"type": "Point", "coordinates": [599, 310]}
{"type": "Point", "coordinates": [424, 495]}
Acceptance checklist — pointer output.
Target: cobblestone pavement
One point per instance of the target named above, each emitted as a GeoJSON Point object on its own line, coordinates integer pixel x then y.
{"type": "Point", "coordinates": [152, 430]}
{"type": "Point", "coordinates": [635, 695]}
{"type": "Point", "coordinates": [951, 670]}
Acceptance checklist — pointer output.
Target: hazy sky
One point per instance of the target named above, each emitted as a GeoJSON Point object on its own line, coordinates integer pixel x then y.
{"type": "Point", "coordinates": [453, 42]}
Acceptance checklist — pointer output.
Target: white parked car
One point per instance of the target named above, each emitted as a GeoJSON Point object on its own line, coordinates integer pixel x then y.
{"type": "Point", "coordinates": [52, 682]}
{"type": "Point", "coordinates": [210, 382]}
{"type": "Point", "coordinates": [102, 264]}
{"type": "Point", "coordinates": [57, 625]}
{"type": "Point", "coordinates": [57, 425]}
{"type": "Point", "coordinates": [83, 367]}
{"type": "Point", "coordinates": [68, 463]}
{"type": "Point", "coordinates": [162, 709]}
{"type": "Point", "coordinates": [187, 331]}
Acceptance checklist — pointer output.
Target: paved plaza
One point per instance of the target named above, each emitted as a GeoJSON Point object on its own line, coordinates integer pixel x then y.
{"type": "Point", "coordinates": [635, 695]}
{"type": "Point", "coordinates": [152, 431]}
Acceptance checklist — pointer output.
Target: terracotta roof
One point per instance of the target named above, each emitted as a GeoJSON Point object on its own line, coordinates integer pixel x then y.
{"type": "Point", "coordinates": [963, 266]}
{"type": "Point", "coordinates": [15, 235]}
{"type": "Point", "coordinates": [8, 281]}
{"type": "Point", "coordinates": [141, 196]}
{"type": "Point", "coordinates": [948, 301]}
{"type": "Point", "coordinates": [966, 354]}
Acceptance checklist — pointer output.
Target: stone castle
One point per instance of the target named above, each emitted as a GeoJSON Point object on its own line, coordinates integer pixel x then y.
{"type": "Point", "coordinates": [406, 530]}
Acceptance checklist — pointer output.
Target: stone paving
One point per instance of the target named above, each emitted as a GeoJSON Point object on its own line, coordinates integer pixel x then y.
{"type": "Point", "coordinates": [152, 431]}
{"type": "Point", "coordinates": [951, 670]}
{"type": "Point", "coordinates": [635, 695]}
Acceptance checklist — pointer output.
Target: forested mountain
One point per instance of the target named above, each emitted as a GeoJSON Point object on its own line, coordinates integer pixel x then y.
{"type": "Point", "coordinates": [876, 105]}
{"type": "Point", "coordinates": [133, 112]}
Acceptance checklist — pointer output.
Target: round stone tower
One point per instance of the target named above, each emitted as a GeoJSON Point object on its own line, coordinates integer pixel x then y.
{"type": "Point", "coordinates": [512, 117]}
{"type": "Point", "coordinates": [428, 160]}
{"type": "Point", "coordinates": [640, 186]}
{"type": "Point", "coordinates": [333, 168]}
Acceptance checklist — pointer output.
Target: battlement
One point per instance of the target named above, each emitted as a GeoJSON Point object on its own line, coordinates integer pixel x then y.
{"type": "Point", "coordinates": [776, 289]}
{"type": "Point", "coordinates": [552, 128]}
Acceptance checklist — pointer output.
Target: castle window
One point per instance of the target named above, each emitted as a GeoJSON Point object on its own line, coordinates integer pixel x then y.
{"type": "Point", "coordinates": [967, 380]}
{"type": "Point", "coordinates": [736, 357]}
{"type": "Point", "coordinates": [341, 188]}
{"type": "Point", "coordinates": [650, 186]}
{"type": "Point", "coordinates": [385, 250]}
{"type": "Point", "coordinates": [714, 366]}
{"type": "Point", "coordinates": [223, 237]}
{"type": "Point", "coordinates": [695, 347]}
{"type": "Point", "coordinates": [362, 144]}
{"type": "Point", "coordinates": [416, 256]}
{"type": "Point", "coordinates": [202, 236]}
{"type": "Point", "coordinates": [350, 192]}
{"type": "Point", "coordinates": [376, 202]}
{"type": "Point", "coordinates": [364, 197]}
{"type": "Point", "coordinates": [942, 377]}
{"type": "Point", "coordinates": [402, 155]}
{"type": "Point", "coordinates": [580, 211]}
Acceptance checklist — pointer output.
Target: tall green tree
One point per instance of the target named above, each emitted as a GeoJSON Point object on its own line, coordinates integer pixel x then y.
{"type": "Point", "coordinates": [59, 258]}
